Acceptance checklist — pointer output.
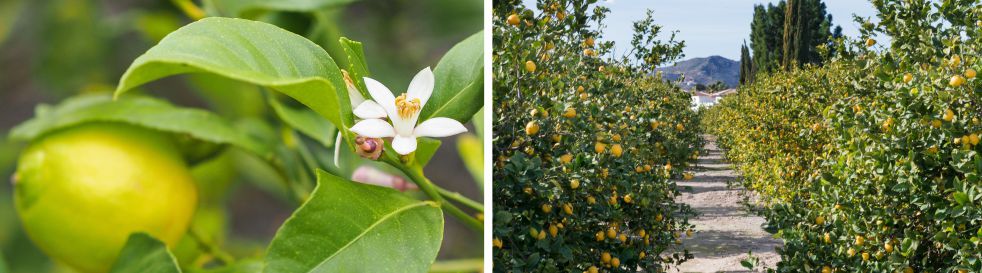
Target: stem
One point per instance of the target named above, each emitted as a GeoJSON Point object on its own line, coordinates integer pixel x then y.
{"type": "Point", "coordinates": [467, 265]}
{"type": "Point", "coordinates": [455, 196]}
{"type": "Point", "coordinates": [189, 9]}
{"type": "Point", "coordinates": [210, 248]}
{"type": "Point", "coordinates": [427, 186]}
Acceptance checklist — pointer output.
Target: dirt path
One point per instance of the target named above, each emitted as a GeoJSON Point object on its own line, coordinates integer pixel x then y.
{"type": "Point", "coordinates": [725, 231]}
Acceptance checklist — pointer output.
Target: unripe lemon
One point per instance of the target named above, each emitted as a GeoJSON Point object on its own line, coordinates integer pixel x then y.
{"type": "Point", "coordinates": [616, 150]}
{"type": "Point", "coordinates": [956, 81]}
{"type": "Point", "coordinates": [529, 66]}
{"type": "Point", "coordinates": [80, 192]}
{"type": "Point", "coordinates": [513, 19]}
{"type": "Point", "coordinates": [908, 77]}
{"type": "Point", "coordinates": [532, 128]}
{"type": "Point", "coordinates": [970, 73]}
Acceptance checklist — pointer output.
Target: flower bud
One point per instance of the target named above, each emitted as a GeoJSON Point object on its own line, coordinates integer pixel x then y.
{"type": "Point", "coordinates": [370, 148]}
{"type": "Point", "coordinates": [372, 176]}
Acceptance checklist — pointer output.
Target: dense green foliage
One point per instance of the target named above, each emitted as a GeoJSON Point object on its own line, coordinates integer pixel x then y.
{"type": "Point", "coordinates": [584, 146]}
{"type": "Point", "coordinates": [871, 162]}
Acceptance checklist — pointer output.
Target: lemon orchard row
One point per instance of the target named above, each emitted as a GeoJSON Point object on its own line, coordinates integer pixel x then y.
{"type": "Point", "coordinates": [584, 149]}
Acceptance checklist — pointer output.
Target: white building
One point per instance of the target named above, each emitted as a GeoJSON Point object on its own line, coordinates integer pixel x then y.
{"type": "Point", "coordinates": [702, 99]}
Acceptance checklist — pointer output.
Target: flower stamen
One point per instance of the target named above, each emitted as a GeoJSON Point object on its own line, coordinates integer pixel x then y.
{"type": "Point", "coordinates": [407, 108]}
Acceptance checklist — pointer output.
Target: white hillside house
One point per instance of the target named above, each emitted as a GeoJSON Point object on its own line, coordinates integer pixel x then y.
{"type": "Point", "coordinates": [702, 99]}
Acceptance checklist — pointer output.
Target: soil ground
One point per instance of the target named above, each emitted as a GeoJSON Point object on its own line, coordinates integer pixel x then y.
{"type": "Point", "coordinates": [725, 231]}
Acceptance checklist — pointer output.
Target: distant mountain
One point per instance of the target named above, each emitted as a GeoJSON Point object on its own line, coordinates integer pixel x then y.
{"type": "Point", "coordinates": [705, 71]}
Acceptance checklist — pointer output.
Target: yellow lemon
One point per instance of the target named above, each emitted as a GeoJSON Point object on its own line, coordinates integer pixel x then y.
{"type": "Point", "coordinates": [80, 192]}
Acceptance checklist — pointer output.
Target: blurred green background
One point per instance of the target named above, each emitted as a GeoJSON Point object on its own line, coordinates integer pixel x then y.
{"type": "Point", "coordinates": [52, 50]}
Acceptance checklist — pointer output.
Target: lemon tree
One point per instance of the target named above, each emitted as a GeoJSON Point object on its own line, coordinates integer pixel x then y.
{"type": "Point", "coordinates": [584, 146]}
{"type": "Point", "coordinates": [870, 162]}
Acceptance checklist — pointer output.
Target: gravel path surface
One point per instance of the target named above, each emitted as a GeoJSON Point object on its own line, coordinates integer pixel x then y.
{"type": "Point", "coordinates": [724, 231]}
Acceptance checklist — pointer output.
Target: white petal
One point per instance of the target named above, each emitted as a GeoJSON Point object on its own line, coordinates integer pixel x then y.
{"type": "Point", "coordinates": [355, 97]}
{"type": "Point", "coordinates": [382, 96]}
{"type": "Point", "coordinates": [369, 110]}
{"type": "Point", "coordinates": [439, 127]}
{"type": "Point", "coordinates": [422, 86]}
{"type": "Point", "coordinates": [404, 145]}
{"type": "Point", "coordinates": [373, 128]}
{"type": "Point", "coordinates": [337, 150]}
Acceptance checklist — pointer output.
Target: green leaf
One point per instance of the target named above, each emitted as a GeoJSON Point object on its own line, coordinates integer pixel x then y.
{"type": "Point", "coordinates": [352, 227]}
{"type": "Point", "coordinates": [425, 149]}
{"type": "Point", "coordinates": [3, 263]}
{"type": "Point", "coordinates": [307, 122]}
{"type": "Point", "coordinates": [960, 197]}
{"type": "Point", "coordinates": [241, 266]}
{"type": "Point", "coordinates": [249, 51]}
{"type": "Point", "coordinates": [250, 8]}
{"type": "Point", "coordinates": [144, 254]}
{"type": "Point", "coordinates": [471, 150]}
{"type": "Point", "coordinates": [357, 66]}
{"type": "Point", "coordinates": [459, 89]}
{"type": "Point", "coordinates": [136, 110]}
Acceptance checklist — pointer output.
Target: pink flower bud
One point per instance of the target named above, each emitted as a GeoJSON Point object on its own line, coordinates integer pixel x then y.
{"type": "Point", "coordinates": [372, 176]}
{"type": "Point", "coordinates": [370, 148]}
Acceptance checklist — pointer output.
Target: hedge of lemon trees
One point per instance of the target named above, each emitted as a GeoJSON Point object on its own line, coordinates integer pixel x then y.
{"type": "Point", "coordinates": [584, 148]}
{"type": "Point", "coordinates": [871, 163]}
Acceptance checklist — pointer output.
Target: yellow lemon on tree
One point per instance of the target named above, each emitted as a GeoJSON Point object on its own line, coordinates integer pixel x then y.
{"type": "Point", "coordinates": [513, 19]}
{"type": "Point", "coordinates": [956, 81]}
{"type": "Point", "coordinates": [616, 150]}
{"type": "Point", "coordinates": [532, 128]}
{"type": "Point", "coordinates": [908, 77]}
{"type": "Point", "coordinates": [575, 183]}
{"type": "Point", "coordinates": [970, 73]}
{"type": "Point", "coordinates": [80, 192]}
{"type": "Point", "coordinates": [529, 66]}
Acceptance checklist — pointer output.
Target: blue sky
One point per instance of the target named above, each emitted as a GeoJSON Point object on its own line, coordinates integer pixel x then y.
{"type": "Point", "coordinates": [709, 27]}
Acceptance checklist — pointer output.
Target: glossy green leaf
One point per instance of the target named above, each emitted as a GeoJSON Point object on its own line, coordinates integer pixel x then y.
{"type": "Point", "coordinates": [960, 197]}
{"type": "Point", "coordinates": [249, 8]}
{"type": "Point", "coordinates": [357, 66]}
{"type": "Point", "coordinates": [471, 150]}
{"type": "Point", "coordinates": [249, 51]}
{"type": "Point", "coordinates": [352, 227]}
{"type": "Point", "coordinates": [306, 122]}
{"type": "Point", "coordinates": [137, 110]}
{"type": "Point", "coordinates": [459, 89]}
{"type": "Point", "coordinates": [144, 254]}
